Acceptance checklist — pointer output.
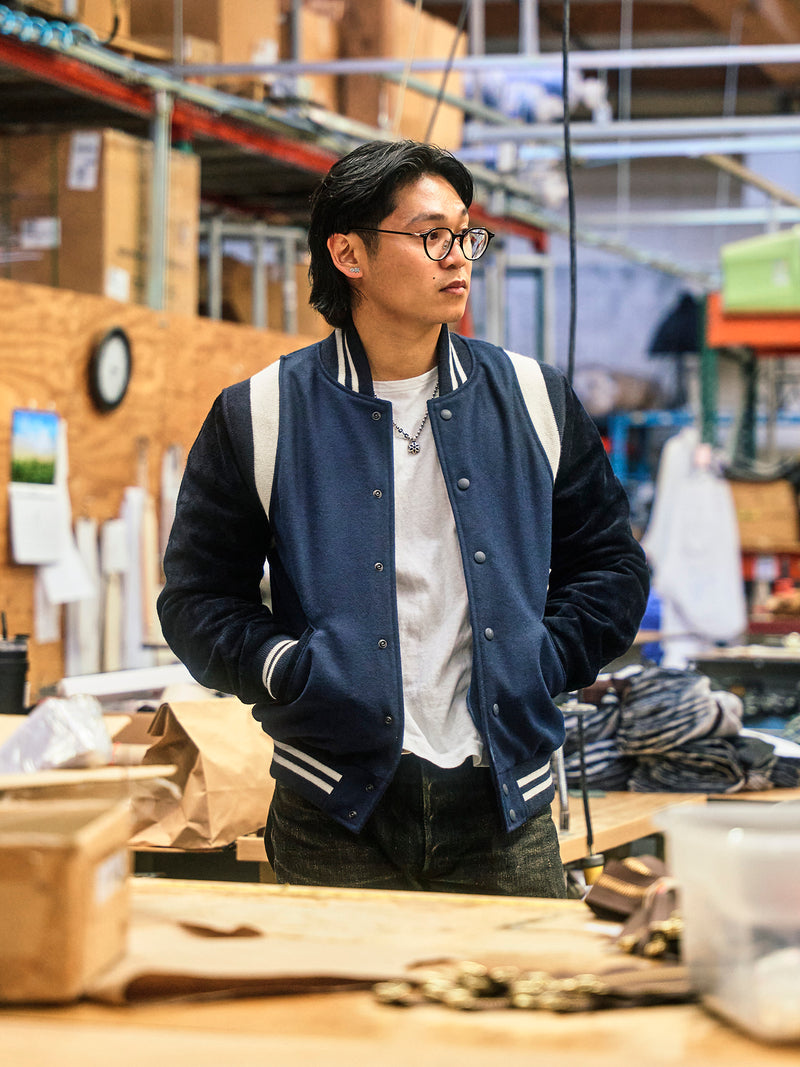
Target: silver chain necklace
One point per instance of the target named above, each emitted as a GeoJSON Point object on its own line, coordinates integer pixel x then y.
{"type": "Point", "coordinates": [413, 444]}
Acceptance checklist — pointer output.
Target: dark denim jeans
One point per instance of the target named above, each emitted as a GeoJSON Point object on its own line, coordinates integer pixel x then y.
{"type": "Point", "coordinates": [433, 829]}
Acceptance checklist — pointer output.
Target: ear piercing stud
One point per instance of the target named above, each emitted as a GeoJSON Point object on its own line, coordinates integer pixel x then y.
{"type": "Point", "coordinates": [355, 270]}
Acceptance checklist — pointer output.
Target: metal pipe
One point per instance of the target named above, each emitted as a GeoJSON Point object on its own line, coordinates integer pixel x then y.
{"type": "Point", "coordinates": [477, 28]}
{"type": "Point", "coordinates": [729, 216]}
{"type": "Point", "coordinates": [607, 59]}
{"type": "Point", "coordinates": [161, 126]}
{"type": "Point", "coordinates": [610, 153]}
{"type": "Point", "coordinates": [259, 308]}
{"type": "Point", "coordinates": [634, 129]}
{"type": "Point", "coordinates": [529, 27]}
{"type": "Point", "coordinates": [215, 269]}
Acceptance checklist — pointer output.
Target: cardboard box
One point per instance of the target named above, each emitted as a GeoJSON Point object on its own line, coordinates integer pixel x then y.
{"type": "Point", "coordinates": [98, 15]}
{"type": "Point", "coordinates": [193, 50]}
{"type": "Point", "coordinates": [319, 43]}
{"type": "Point", "coordinates": [237, 297]}
{"type": "Point", "coordinates": [386, 28]}
{"type": "Point", "coordinates": [244, 30]}
{"type": "Point", "coordinates": [76, 215]}
{"type": "Point", "coordinates": [64, 867]}
{"type": "Point", "coordinates": [767, 513]}
{"type": "Point", "coordinates": [762, 273]}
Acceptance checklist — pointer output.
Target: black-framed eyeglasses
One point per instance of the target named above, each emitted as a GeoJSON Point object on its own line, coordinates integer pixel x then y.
{"type": "Point", "coordinates": [438, 242]}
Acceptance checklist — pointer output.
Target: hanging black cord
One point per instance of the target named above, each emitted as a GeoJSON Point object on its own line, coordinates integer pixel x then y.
{"type": "Point", "coordinates": [573, 272]}
{"type": "Point", "coordinates": [462, 18]}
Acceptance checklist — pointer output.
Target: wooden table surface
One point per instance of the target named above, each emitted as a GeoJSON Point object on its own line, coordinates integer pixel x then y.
{"type": "Point", "coordinates": [352, 1029]}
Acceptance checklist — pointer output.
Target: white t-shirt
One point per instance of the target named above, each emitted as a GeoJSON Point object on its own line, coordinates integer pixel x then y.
{"type": "Point", "coordinates": [432, 606]}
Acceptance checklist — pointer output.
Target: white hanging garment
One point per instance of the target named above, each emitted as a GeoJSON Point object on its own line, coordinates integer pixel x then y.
{"type": "Point", "coordinates": [692, 544]}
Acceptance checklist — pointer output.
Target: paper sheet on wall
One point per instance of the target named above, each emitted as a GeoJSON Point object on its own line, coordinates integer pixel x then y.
{"type": "Point", "coordinates": [35, 523]}
{"type": "Point", "coordinates": [83, 617]}
{"type": "Point", "coordinates": [66, 578]}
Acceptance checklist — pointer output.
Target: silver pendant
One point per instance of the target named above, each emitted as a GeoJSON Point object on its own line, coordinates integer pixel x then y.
{"type": "Point", "coordinates": [413, 447]}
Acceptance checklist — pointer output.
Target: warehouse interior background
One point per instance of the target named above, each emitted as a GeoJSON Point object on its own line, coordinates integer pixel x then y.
{"type": "Point", "coordinates": [157, 158]}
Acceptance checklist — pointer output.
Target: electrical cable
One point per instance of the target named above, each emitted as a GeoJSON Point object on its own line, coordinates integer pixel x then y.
{"type": "Point", "coordinates": [573, 279]}
{"type": "Point", "coordinates": [462, 18]}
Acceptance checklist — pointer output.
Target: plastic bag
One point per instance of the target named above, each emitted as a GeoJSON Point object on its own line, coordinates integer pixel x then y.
{"type": "Point", "coordinates": [58, 733]}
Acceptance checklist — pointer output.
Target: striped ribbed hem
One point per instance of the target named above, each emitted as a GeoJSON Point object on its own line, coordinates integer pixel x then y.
{"type": "Point", "coordinates": [274, 657]}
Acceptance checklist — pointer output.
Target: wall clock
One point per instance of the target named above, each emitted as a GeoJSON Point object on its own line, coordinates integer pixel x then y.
{"type": "Point", "coordinates": [110, 369]}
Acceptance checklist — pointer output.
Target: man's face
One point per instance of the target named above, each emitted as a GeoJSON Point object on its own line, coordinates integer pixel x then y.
{"type": "Point", "coordinates": [399, 281]}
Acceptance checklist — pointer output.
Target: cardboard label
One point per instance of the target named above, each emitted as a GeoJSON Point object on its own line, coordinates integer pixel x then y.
{"type": "Point", "coordinates": [40, 233]}
{"type": "Point", "coordinates": [117, 283]}
{"type": "Point", "coordinates": [83, 171]}
{"type": "Point", "coordinates": [110, 875]}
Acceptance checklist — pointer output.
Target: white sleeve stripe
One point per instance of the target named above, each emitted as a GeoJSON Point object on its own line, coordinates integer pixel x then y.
{"type": "Point", "coordinates": [324, 786]}
{"type": "Point", "coordinates": [265, 415]}
{"type": "Point", "coordinates": [534, 393]}
{"type": "Point", "coordinates": [271, 662]}
{"type": "Point", "coordinates": [329, 771]}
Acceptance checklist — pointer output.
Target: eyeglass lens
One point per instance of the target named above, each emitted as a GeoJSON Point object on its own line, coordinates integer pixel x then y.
{"type": "Point", "coordinates": [439, 242]}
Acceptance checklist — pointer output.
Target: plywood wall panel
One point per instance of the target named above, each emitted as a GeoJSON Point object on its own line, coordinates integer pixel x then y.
{"type": "Point", "coordinates": [180, 364]}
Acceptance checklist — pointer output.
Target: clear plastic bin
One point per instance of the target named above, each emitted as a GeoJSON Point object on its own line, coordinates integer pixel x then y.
{"type": "Point", "coordinates": [738, 868]}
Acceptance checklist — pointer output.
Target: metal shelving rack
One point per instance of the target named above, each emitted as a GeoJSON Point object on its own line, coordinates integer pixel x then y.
{"type": "Point", "coordinates": [253, 150]}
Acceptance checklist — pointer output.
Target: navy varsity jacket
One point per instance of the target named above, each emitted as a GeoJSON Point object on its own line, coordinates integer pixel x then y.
{"type": "Point", "coordinates": [295, 466]}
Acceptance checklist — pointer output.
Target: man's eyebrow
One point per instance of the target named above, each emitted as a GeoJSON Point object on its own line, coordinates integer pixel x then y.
{"type": "Point", "coordinates": [433, 217]}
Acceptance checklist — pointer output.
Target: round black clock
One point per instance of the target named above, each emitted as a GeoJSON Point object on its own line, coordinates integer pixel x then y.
{"type": "Point", "coordinates": [110, 368]}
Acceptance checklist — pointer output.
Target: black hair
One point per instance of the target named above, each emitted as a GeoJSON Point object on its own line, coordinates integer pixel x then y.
{"type": "Point", "coordinates": [360, 190]}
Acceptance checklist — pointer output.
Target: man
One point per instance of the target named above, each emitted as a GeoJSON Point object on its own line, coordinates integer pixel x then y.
{"type": "Point", "coordinates": [448, 550]}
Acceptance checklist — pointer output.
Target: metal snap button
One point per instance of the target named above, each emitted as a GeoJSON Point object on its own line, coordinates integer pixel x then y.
{"type": "Point", "coordinates": [446, 414]}
{"type": "Point", "coordinates": [376, 416]}
{"type": "Point", "coordinates": [480, 557]}
{"type": "Point", "coordinates": [488, 633]}
{"type": "Point", "coordinates": [377, 493]}
{"type": "Point", "coordinates": [463, 483]}
{"type": "Point", "coordinates": [383, 643]}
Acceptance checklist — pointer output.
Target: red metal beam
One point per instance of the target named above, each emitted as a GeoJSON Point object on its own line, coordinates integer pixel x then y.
{"type": "Point", "coordinates": [198, 122]}
{"type": "Point", "coordinates": [501, 224]}
{"type": "Point", "coordinates": [190, 120]}
{"type": "Point", "coordinates": [72, 74]}
{"type": "Point", "coordinates": [82, 78]}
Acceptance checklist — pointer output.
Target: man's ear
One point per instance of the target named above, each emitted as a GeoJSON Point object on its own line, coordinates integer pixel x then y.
{"type": "Point", "coordinates": [347, 253]}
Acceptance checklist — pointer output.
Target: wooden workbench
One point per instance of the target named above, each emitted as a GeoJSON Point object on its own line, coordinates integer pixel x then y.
{"type": "Point", "coordinates": [350, 1029]}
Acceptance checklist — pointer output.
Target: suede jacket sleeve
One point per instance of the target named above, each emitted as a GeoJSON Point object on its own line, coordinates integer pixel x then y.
{"type": "Point", "coordinates": [210, 609]}
{"type": "Point", "coordinates": [599, 580]}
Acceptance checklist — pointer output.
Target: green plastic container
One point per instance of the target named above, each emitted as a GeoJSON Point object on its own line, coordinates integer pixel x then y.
{"type": "Point", "coordinates": [762, 273]}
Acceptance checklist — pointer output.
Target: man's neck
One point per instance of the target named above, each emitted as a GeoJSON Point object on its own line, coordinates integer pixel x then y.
{"type": "Point", "coordinates": [396, 352]}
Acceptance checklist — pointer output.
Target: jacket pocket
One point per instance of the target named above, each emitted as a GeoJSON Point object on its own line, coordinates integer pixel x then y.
{"type": "Point", "coordinates": [553, 673]}
{"type": "Point", "coordinates": [296, 672]}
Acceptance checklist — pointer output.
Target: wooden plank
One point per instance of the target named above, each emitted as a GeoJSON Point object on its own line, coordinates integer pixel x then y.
{"type": "Point", "coordinates": [180, 363]}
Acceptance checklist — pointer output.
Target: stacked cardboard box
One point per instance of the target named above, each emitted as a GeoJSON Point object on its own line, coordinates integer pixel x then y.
{"type": "Point", "coordinates": [388, 28]}
{"type": "Point", "coordinates": [98, 15]}
{"type": "Point", "coordinates": [242, 31]}
{"type": "Point", "coordinates": [64, 867]}
{"type": "Point", "coordinates": [75, 214]}
{"type": "Point", "coordinates": [237, 297]}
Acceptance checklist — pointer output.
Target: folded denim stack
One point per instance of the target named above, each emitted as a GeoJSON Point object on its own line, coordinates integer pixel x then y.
{"type": "Point", "coordinates": [669, 731]}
